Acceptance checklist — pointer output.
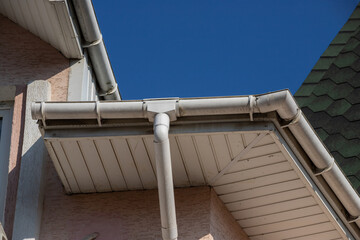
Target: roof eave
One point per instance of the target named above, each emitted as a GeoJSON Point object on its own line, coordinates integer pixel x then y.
{"type": "Point", "coordinates": [281, 102]}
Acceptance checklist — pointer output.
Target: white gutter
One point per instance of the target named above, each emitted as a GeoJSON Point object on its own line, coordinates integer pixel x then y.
{"type": "Point", "coordinates": [282, 102]}
{"type": "Point", "coordinates": [97, 52]}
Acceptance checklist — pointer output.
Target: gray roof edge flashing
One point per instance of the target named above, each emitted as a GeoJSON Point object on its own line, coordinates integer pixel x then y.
{"type": "Point", "coordinates": [281, 102]}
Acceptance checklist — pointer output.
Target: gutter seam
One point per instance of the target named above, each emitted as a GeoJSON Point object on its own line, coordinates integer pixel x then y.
{"type": "Point", "coordinates": [294, 120]}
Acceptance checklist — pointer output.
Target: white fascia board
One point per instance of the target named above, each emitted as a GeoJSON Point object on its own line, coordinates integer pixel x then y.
{"type": "Point", "coordinates": [82, 82]}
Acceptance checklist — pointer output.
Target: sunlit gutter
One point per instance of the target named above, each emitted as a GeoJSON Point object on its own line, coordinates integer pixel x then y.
{"type": "Point", "coordinates": [280, 102]}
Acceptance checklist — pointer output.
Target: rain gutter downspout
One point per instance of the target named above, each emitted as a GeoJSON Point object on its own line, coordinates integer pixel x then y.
{"type": "Point", "coordinates": [161, 113]}
{"type": "Point", "coordinates": [164, 176]}
{"type": "Point", "coordinates": [282, 102]}
{"type": "Point", "coordinates": [96, 48]}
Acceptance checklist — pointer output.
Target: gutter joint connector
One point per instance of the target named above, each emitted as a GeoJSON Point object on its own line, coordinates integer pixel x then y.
{"type": "Point", "coordinates": [252, 104]}
{"type": "Point", "coordinates": [294, 120]}
{"type": "Point", "coordinates": [318, 172]}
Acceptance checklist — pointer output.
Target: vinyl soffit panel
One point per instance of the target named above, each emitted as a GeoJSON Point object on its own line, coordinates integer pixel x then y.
{"type": "Point", "coordinates": [253, 173]}
{"type": "Point", "coordinates": [50, 21]}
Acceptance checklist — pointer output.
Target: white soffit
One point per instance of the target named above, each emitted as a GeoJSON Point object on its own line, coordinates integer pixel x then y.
{"type": "Point", "coordinates": [50, 20]}
{"type": "Point", "coordinates": [251, 169]}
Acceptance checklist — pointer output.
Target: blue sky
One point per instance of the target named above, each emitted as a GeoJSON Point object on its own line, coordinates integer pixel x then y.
{"type": "Point", "coordinates": [203, 48]}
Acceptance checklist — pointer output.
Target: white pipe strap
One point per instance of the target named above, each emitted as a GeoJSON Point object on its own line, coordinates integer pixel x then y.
{"type": "Point", "coordinates": [94, 43]}
{"type": "Point", "coordinates": [111, 91]}
{"type": "Point", "coordinates": [97, 109]}
{"type": "Point", "coordinates": [318, 171]}
{"type": "Point", "coordinates": [43, 116]}
{"type": "Point", "coordinates": [252, 104]}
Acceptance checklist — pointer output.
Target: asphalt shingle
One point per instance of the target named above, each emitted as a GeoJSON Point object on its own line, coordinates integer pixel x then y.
{"type": "Point", "coordinates": [322, 134]}
{"type": "Point", "coordinates": [336, 142]}
{"type": "Point", "coordinates": [350, 148]}
{"type": "Point", "coordinates": [354, 96]}
{"type": "Point", "coordinates": [323, 87]}
{"type": "Point", "coordinates": [320, 103]}
{"type": "Point", "coordinates": [340, 91]}
{"type": "Point", "coordinates": [339, 107]}
{"type": "Point", "coordinates": [353, 114]}
{"type": "Point", "coordinates": [330, 98]}
{"type": "Point", "coordinates": [351, 45]}
{"type": "Point", "coordinates": [355, 81]}
{"type": "Point", "coordinates": [345, 60]}
{"type": "Point", "coordinates": [314, 76]}
{"type": "Point", "coordinates": [323, 63]}
{"type": "Point", "coordinates": [342, 38]}
{"type": "Point", "coordinates": [343, 75]}
{"type": "Point", "coordinates": [351, 131]}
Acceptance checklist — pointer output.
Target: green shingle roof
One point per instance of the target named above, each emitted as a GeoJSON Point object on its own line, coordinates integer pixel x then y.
{"type": "Point", "coordinates": [330, 98]}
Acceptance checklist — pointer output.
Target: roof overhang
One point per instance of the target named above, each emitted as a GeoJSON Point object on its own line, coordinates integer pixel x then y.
{"type": "Point", "coordinates": [71, 27]}
{"type": "Point", "coordinates": [52, 21]}
{"type": "Point", "coordinates": [258, 152]}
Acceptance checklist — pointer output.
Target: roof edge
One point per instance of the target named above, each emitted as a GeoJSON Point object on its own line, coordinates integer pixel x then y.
{"type": "Point", "coordinates": [94, 43]}
{"type": "Point", "coordinates": [281, 102]}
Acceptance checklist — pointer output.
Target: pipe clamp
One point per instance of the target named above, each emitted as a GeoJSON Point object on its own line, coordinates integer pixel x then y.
{"type": "Point", "coordinates": [294, 120]}
{"type": "Point", "coordinates": [111, 91]}
{"type": "Point", "coordinates": [318, 171]}
{"type": "Point", "coordinates": [94, 43]}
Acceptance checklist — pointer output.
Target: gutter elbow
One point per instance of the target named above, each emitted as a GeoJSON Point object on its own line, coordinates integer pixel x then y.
{"type": "Point", "coordinates": [161, 133]}
{"type": "Point", "coordinates": [282, 102]}
{"type": "Point", "coordinates": [161, 127]}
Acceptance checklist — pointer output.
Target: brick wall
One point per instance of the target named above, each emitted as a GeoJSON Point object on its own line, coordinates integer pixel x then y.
{"type": "Point", "coordinates": [222, 223]}
{"type": "Point", "coordinates": [133, 214]}
{"type": "Point", "coordinates": [26, 58]}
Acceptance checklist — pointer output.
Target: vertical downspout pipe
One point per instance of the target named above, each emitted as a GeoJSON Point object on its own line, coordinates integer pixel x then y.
{"type": "Point", "coordinates": [96, 48]}
{"type": "Point", "coordinates": [164, 176]}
